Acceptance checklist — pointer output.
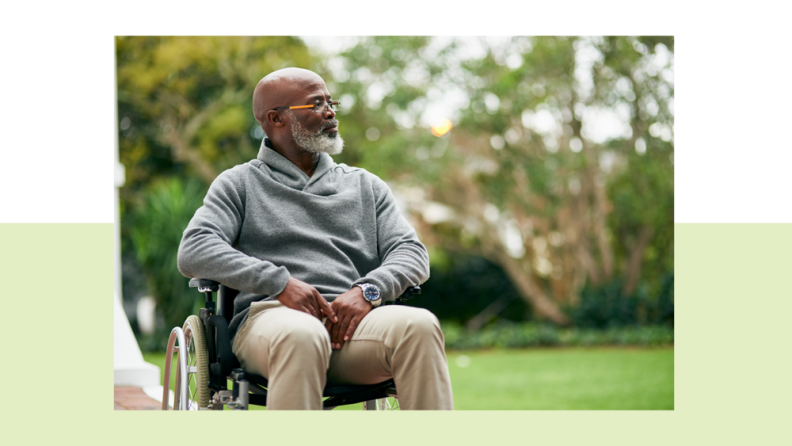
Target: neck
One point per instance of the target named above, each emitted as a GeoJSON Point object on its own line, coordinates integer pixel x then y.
{"type": "Point", "coordinates": [303, 159]}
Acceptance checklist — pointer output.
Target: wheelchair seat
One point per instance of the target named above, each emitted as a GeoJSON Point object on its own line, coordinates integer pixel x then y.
{"type": "Point", "coordinates": [203, 372]}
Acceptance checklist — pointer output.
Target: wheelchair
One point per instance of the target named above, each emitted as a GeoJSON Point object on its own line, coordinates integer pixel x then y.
{"type": "Point", "coordinates": [205, 364]}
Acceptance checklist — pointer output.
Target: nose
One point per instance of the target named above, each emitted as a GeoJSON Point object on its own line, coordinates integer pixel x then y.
{"type": "Point", "coordinates": [329, 110]}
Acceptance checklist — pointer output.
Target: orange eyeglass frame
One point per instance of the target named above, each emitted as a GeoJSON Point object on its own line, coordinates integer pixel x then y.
{"type": "Point", "coordinates": [328, 106]}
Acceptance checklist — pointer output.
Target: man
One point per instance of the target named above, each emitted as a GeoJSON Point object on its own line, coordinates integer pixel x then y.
{"type": "Point", "coordinates": [305, 240]}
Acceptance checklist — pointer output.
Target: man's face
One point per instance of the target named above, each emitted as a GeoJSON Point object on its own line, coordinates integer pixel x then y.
{"type": "Point", "coordinates": [315, 132]}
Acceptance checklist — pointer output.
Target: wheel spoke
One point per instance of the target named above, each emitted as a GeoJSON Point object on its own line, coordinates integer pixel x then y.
{"type": "Point", "coordinates": [196, 374]}
{"type": "Point", "coordinates": [192, 385]}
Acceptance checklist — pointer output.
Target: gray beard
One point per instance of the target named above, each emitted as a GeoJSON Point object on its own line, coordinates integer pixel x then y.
{"type": "Point", "coordinates": [318, 142]}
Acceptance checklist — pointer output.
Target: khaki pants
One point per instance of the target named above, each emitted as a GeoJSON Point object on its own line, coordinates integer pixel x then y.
{"type": "Point", "coordinates": [292, 350]}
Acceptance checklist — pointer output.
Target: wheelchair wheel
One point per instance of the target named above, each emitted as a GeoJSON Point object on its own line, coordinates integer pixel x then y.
{"type": "Point", "coordinates": [197, 360]}
{"type": "Point", "coordinates": [389, 403]}
{"type": "Point", "coordinates": [176, 336]}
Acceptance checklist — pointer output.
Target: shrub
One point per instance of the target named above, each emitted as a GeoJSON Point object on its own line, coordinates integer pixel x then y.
{"type": "Point", "coordinates": [511, 335]}
{"type": "Point", "coordinates": [605, 306]}
{"type": "Point", "coordinates": [156, 231]}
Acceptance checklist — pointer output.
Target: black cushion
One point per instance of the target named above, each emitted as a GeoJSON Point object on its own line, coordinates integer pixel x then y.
{"type": "Point", "coordinates": [334, 390]}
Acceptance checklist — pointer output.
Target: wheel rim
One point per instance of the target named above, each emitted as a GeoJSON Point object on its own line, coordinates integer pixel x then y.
{"type": "Point", "coordinates": [197, 365]}
{"type": "Point", "coordinates": [166, 394]}
{"type": "Point", "coordinates": [192, 362]}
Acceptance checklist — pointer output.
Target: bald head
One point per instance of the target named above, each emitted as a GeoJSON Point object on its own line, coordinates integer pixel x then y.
{"type": "Point", "coordinates": [279, 88]}
{"type": "Point", "coordinates": [298, 134]}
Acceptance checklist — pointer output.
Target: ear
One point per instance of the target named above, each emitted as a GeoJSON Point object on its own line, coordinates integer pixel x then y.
{"type": "Point", "coordinates": [275, 119]}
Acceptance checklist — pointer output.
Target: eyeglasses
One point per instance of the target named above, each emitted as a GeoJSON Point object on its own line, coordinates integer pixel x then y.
{"type": "Point", "coordinates": [320, 107]}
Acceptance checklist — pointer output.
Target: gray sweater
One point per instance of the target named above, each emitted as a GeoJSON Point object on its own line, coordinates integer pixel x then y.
{"type": "Point", "coordinates": [266, 220]}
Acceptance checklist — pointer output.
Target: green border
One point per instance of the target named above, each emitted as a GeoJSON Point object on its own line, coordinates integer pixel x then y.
{"type": "Point", "coordinates": [732, 373]}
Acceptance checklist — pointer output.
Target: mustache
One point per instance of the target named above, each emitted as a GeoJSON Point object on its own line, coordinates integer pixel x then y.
{"type": "Point", "coordinates": [330, 123]}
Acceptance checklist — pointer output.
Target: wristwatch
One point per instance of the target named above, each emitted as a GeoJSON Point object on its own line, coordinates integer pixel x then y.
{"type": "Point", "coordinates": [371, 293]}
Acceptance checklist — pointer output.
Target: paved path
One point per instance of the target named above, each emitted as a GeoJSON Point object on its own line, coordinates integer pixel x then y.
{"type": "Point", "coordinates": [133, 398]}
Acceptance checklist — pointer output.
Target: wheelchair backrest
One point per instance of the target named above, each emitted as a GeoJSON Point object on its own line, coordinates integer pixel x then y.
{"type": "Point", "coordinates": [226, 297]}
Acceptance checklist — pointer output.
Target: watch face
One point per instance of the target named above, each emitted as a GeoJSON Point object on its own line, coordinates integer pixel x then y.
{"type": "Point", "coordinates": [371, 292]}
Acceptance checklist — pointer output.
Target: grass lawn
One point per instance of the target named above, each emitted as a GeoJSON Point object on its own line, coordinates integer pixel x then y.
{"type": "Point", "coordinates": [588, 379]}
{"type": "Point", "coordinates": [548, 379]}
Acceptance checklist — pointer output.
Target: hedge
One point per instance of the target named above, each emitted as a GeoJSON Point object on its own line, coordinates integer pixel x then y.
{"type": "Point", "coordinates": [514, 335]}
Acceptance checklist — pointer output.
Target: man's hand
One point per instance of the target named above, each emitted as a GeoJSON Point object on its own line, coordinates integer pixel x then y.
{"type": "Point", "coordinates": [300, 296]}
{"type": "Point", "coordinates": [350, 307]}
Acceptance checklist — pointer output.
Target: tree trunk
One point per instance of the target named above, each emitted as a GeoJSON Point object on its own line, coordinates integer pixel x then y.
{"type": "Point", "coordinates": [636, 259]}
{"type": "Point", "coordinates": [488, 313]}
{"type": "Point", "coordinates": [182, 153]}
{"type": "Point", "coordinates": [529, 291]}
{"type": "Point", "coordinates": [600, 216]}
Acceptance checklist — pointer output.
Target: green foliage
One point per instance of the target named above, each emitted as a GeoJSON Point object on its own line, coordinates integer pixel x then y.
{"type": "Point", "coordinates": [188, 102]}
{"type": "Point", "coordinates": [465, 286]}
{"type": "Point", "coordinates": [156, 229]}
{"type": "Point", "coordinates": [606, 306]}
{"type": "Point", "coordinates": [462, 285]}
{"type": "Point", "coordinates": [523, 148]}
{"type": "Point", "coordinates": [589, 213]}
{"type": "Point", "coordinates": [157, 341]}
{"type": "Point", "coordinates": [529, 334]}
{"type": "Point", "coordinates": [185, 115]}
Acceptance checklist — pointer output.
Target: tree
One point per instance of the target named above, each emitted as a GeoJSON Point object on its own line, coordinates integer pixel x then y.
{"type": "Point", "coordinates": [525, 178]}
{"type": "Point", "coordinates": [187, 101]}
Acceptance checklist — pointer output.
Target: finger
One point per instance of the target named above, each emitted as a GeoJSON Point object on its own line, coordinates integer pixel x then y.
{"type": "Point", "coordinates": [333, 308]}
{"type": "Point", "coordinates": [302, 306]}
{"type": "Point", "coordinates": [308, 302]}
{"type": "Point", "coordinates": [333, 334]}
{"type": "Point", "coordinates": [328, 323]}
{"type": "Point", "coordinates": [311, 302]}
{"type": "Point", "coordinates": [327, 309]}
{"type": "Point", "coordinates": [337, 333]}
{"type": "Point", "coordinates": [332, 327]}
{"type": "Point", "coordinates": [308, 309]}
{"type": "Point", "coordinates": [342, 330]}
{"type": "Point", "coordinates": [353, 324]}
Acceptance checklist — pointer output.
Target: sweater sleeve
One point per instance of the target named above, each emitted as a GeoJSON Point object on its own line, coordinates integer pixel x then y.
{"type": "Point", "coordinates": [206, 250]}
{"type": "Point", "coordinates": [404, 261]}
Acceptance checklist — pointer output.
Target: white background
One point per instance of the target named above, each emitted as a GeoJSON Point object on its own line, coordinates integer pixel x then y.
{"type": "Point", "coordinates": [733, 100]}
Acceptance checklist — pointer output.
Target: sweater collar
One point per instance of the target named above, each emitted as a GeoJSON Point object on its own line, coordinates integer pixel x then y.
{"type": "Point", "coordinates": [289, 173]}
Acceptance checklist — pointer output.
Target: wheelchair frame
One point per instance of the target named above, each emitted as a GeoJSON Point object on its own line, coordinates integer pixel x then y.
{"type": "Point", "coordinates": [215, 363]}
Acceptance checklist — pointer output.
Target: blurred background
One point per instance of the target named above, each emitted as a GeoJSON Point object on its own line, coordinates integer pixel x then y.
{"type": "Point", "coordinates": [539, 172]}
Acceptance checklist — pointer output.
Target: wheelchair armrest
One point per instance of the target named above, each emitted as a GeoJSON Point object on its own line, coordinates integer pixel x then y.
{"type": "Point", "coordinates": [204, 285]}
{"type": "Point", "coordinates": [408, 293]}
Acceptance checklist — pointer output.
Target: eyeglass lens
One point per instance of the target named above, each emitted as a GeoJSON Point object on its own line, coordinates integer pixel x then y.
{"type": "Point", "coordinates": [322, 106]}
